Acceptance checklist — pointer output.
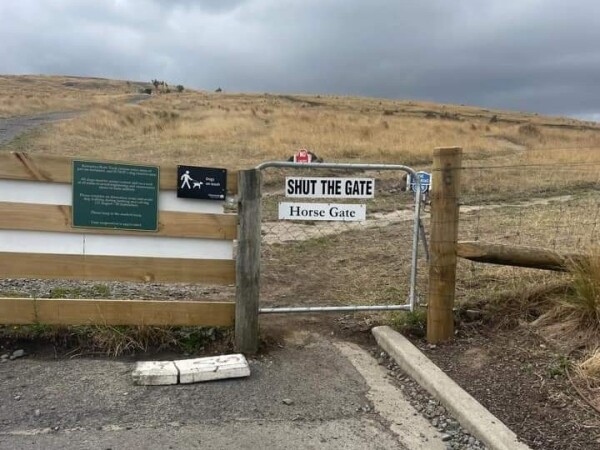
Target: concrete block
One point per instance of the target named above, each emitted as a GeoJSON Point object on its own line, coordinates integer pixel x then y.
{"type": "Point", "coordinates": [212, 368]}
{"type": "Point", "coordinates": [471, 414]}
{"type": "Point", "coordinates": [154, 373]}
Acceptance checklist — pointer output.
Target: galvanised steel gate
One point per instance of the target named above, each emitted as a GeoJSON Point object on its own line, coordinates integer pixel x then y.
{"type": "Point", "coordinates": [388, 211]}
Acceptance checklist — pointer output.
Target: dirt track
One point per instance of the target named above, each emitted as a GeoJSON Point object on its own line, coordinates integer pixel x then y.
{"type": "Point", "coordinates": [12, 127]}
{"type": "Point", "coordinates": [287, 231]}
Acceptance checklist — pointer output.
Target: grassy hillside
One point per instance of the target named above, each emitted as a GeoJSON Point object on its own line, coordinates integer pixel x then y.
{"type": "Point", "coordinates": [23, 95]}
{"type": "Point", "coordinates": [241, 130]}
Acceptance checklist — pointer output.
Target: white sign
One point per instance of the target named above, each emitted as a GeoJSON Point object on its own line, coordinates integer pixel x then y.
{"type": "Point", "coordinates": [302, 187]}
{"type": "Point", "coordinates": [322, 211]}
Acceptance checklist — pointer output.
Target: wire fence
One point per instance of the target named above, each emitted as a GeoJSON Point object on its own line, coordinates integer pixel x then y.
{"type": "Point", "coordinates": [546, 198]}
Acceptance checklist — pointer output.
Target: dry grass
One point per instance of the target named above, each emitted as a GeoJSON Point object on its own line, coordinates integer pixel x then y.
{"type": "Point", "coordinates": [589, 369]}
{"type": "Point", "coordinates": [585, 304]}
{"type": "Point", "coordinates": [115, 341]}
{"type": "Point", "coordinates": [507, 155]}
{"type": "Point", "coordinates": [238, 131]}
{"type": "Point", "coordinates": [23, 95]}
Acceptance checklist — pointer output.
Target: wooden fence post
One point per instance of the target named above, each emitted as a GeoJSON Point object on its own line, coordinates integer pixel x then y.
{"type": "Point", "coordinates": [248, 262]}
{"type": "Point", "coordinates": [445, 193]}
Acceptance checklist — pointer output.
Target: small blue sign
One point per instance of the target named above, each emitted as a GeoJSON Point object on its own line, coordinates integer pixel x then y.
{"type": "Point", "coordinates": [425, 179]}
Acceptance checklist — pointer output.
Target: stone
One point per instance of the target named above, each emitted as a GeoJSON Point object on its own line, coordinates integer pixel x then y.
{"type": "Point", "coordinates": [155, 373]}
{"type": "Point", "coordinates": [212, 368]}
{"type": "Point", "coordinates": [446, 437]}
{"type": "Point", "coordinates": [18, 353]}
{"type": "Point", "coordinates": [5, 356]}
{"type": "Point", "coordinates": [473, 314]}
{"type": "Point", "coordinates": [287, 401]}
{"type": "Point", "coordinates": [37, 413]}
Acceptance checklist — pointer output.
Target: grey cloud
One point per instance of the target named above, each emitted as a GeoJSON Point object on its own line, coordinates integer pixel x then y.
{"type": "Point", "coordinates": [520, 54]}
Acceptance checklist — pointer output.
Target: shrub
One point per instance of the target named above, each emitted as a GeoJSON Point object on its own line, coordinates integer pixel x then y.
{"type": "Point", "coordinates": [180, 88]}
{"type": "Point", "coordinates": [529, 129]}
{"type": "Point", "coordinates": [585, 302]}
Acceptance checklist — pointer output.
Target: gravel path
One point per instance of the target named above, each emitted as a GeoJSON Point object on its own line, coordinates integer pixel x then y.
{"type": "Point", "coordinates": [13, 127]}
{"type": "Point", "coordinates": [454, 435]}
{"type": "Point", "coordinates": [114, 289]}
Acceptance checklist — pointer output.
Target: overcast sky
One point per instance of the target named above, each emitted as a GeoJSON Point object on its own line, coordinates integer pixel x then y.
{"type": "Point", "coordinates": [531, 55]}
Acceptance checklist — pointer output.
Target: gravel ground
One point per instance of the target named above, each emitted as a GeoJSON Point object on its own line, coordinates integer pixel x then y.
{"type": "Point", "coordinates": [524, 382]}
{"type": "Point", "coordinates": [455, 436]}
{"type": "Point", "coordinates": [113, 290]}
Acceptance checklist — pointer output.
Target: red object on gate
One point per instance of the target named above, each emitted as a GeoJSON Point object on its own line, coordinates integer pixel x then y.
{"type": "Point", "coordinates": [302, 156]}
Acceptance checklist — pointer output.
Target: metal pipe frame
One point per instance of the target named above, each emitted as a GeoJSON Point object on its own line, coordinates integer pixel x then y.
{"type": "Point", "coordinates": [320, 309]}
{"type": "Point", "coordinates": [412, 296]}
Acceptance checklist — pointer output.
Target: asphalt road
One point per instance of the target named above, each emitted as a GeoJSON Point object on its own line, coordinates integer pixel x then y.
{"type": "Point", "coordinates": [339, 399]}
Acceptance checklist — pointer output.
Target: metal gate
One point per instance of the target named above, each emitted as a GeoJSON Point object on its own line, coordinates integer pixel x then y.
{"type": "Point", "coordinates": [277, 233]}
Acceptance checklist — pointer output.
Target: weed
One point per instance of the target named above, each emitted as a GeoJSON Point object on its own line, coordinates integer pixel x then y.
{"type": "Point", "coordinates": [61, 292]}
{"type": "Point", "coordinates": [527, 368]}
{"type": "Point", "coordinates": [117, 340]}
{"type": "Point", "coordinates": [100, 290]}
{"type": "Point", "coordinates": [558, 368]}
{"type": "Point", "coordinates": [192, 340]}
{"type": "Point", "coordinates": [410, 322]}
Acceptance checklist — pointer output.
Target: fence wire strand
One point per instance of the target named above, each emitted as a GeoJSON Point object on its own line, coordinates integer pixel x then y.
{"type": "Point", "coordinates": [547, 198]}
{"type": "Point", "coordinates": [554, 204]}
{"type": "Point", "coordinates": [322, 263]}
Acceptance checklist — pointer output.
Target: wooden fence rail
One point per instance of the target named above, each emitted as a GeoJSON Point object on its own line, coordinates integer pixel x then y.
{"type": "Point", "coordinates": [517, 255]}
{"type": "Point", "coordinates": [193, 244]}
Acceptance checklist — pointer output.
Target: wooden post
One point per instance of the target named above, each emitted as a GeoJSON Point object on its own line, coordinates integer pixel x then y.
{"type": "Point", "coordinates": [248, 262]}
{"type": "Point", "coordinates": [444, 234]}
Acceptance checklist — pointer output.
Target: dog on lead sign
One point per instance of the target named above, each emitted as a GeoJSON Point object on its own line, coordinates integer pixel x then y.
{"type": "Point", "coordinates": [206, 183]}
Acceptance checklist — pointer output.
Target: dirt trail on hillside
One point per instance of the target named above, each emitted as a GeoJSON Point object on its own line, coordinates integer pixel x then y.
{"type": "Point", "coordinates": [287, 231]}
{"type": "Point", "coordinates": [13, 127]}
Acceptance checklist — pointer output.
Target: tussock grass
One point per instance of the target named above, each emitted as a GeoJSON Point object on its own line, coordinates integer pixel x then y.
{"type": "Point", "coordinates": [589, 369]}
{"type": "Point", "coordinates": [584, 305]}
{"type": "Point", "coordinates": [24, 95]}
{"type": "Point", "coordinates": [116, 341]}
{"type": "Point", "coordinates": [238, 130]}
{"type": "Point", "coordinates": [579, 311]}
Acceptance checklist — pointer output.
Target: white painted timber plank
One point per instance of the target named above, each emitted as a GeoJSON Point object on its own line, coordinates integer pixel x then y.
{"type": "Point", "coordinates": [45, 193]}
{"type": "Point", "coordinates": [113, 245]}
{"type": "Point", "coordinates": [168, 201]}
{"type": "Point", "coordinates": [155, 373]}
{"type": "Point", "coordinates": [212, 368]}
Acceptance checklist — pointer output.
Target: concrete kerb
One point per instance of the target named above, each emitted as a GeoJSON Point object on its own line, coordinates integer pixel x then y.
{"type": "Point", "coordinates": [468, 411]}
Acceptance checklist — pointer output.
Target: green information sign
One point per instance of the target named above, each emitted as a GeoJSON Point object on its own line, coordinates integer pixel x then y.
{"type": "Point", "coordinates": [118, 196]}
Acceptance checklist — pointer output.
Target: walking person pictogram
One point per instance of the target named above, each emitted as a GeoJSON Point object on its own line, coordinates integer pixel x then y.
{"type": "Point", "coordinates": [186, 178]}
